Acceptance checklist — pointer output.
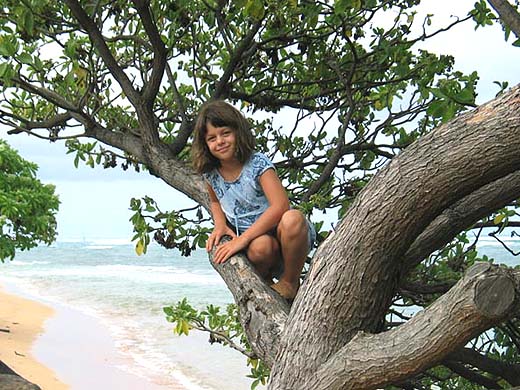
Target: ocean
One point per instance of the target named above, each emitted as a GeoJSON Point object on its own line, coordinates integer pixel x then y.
{"type": "Point", "coordinates": [106, 281]}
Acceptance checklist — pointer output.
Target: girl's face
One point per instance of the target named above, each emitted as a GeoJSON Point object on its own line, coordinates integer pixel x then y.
{"type": "Point", "coordinates": [221, 142]}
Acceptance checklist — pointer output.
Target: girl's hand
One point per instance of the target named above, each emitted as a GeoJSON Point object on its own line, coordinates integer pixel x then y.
{"type": "Point", "coordinates": [217, 234]}
{"type": "Point", "coordinates": [228, 249]}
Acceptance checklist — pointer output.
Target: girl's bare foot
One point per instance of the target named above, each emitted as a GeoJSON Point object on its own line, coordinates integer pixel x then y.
{"type": "Point", "coordinates": [286, 289]}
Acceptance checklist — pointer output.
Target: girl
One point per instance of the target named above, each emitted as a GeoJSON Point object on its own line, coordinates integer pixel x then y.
{"type": "Point", "coordinates": [248, 201]}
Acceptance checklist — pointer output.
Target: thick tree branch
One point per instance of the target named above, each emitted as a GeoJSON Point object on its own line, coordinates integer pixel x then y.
{"type": "Point", "coordinates": [97, 40]}
{"type": "Point", "coordinates": [57, 120]}
{"type": "Point", "coordinates": [510, 372]}
{"type": "Point", "coordinates": [485, 296]}
{"type": "Point", "coordinates": [159, 49]}
{"type": "Point", "coordinates": [263, 313]}
{"type": "Point", "coordinates": [176, 173]}
{"type": "Point", "coordinates": [462, 215]}
{"type": "Point", "coordinates": [44, 93]}
{"type": "Point", "coordinates": [508, 14]}
{"type": "Point", "coordinates": [360, 266]}
{"type": "Point", "coordinates": [418, 288]}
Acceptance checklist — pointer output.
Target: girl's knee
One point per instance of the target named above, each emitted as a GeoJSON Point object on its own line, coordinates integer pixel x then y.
{"type": "Point", "coordinates": [293, 223]}
{"type": "Point", "coordinates": [262, 249]}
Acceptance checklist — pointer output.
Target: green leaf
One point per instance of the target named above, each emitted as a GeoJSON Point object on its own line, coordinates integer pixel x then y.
{"type": "Point", "coordinates": [498, 219]}
{"type": "Point", "coordinates": [7, 48]}
{"type": "Point", "coordinates": [255, 9]}
{"type": "Point", "coordinates": [28, 22]}
{"type": "Point", "coordinates": [436, 108]}
{"type": "Point", "coordinates": [25, 58]}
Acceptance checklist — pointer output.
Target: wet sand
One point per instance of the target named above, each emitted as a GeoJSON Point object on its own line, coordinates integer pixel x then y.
{"type": "Point", "coordinates": [59, 348]}
{"type": "Point", "coordinates": [21, 323]}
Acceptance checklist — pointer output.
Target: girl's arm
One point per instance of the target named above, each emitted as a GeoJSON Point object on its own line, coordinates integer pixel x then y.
{"type": "Point", "coordinates": [219, 219]}
{"type": "Point", "coordinates": [278, 205]}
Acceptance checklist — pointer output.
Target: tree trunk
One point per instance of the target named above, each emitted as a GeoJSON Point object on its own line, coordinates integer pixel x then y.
{"type": "Point", "coordinates": [357, 271]}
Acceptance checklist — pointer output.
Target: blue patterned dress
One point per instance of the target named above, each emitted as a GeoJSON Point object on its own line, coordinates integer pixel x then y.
{"type": "Point", "coordinates": [242, 200]}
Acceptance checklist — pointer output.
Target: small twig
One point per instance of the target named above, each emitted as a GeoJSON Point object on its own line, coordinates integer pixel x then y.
{"type": "Point", "coordinates": [504, 244]}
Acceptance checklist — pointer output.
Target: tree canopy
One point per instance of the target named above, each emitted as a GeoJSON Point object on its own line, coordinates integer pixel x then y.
{"type": "Point", "coordinates": [27, 207]}
{"type": "Point", "coordinates": [336, 91]}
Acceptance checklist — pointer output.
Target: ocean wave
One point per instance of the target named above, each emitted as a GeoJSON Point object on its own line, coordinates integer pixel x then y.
{"type": "Point", "coordinates": [147, 350]}
{"type": "Point", "coordinates": [110, 241]}
{"type": "Point", "coordinates": [96, 241]}
{"type": "Point", "coordinates": [135, 273]}
{"type": "Point", "coordinates": [98, 247]}
{"type": "Point", "coordinates": [24, 263]}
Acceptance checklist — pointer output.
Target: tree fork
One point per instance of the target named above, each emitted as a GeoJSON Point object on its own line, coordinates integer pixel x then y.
{"type": "Point", "coordinates": [357, 271]}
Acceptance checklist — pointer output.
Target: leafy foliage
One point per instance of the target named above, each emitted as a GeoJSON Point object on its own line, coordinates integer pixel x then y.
{"type": "Point", "coordinates": [27, 207]}
{"type": "Point", "coordinates": [182, 233]}
{"type": "Point", "coordinates": [335, 89]}
{"type": "Point", "coordinates": [352, 83]}
{"type": "Point", "coordinates": [223, 328]}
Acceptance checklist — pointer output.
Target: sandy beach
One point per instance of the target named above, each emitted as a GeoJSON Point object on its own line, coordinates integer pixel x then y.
{"type": "Point", "coordinates": [58, 348]}
{"type": "Point", "coordinates": [105, 327]}
{"type": "Point", "coordinates": [21, 323]}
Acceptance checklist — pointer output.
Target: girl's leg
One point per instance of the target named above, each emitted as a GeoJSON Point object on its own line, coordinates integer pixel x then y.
{"type": "Point", "coordinates": [292, 233]}
{"type": "Point", "coordinates": [264, 253]}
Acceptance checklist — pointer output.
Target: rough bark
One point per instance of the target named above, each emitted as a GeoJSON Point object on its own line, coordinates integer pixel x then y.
{"type": "Point", "coordinates": [263, 313]}
{"type": "Point", "coordinates": [508, 14]}
{"type": "Point", "coordinates": [357, 270]}
{"type": "Point", "coordinates": [15, 382]}
{"type": "Point", "coordinates": [485, 295]}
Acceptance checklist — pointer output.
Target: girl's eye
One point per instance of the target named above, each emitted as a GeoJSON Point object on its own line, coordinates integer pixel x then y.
{"type": "Point", "coordinates": [210, 139]}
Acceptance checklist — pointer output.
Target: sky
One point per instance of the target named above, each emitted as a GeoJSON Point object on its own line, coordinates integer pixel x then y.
{"type": "Point", "coordinates": [95, 202]}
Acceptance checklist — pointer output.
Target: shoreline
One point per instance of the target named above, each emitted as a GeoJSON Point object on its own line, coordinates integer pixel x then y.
{"type": "Point", "coordinates": [23, 323]}
{"type": "Point", "coordinates": [109, 319]}
{"type": "Point", "coordinates": [59, 348]}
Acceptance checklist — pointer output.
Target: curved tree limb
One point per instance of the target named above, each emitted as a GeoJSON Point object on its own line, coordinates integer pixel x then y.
{"type": "Point", "coordinates": [461, 215]}
{"type": "Point", "coordinates": [360, 266]}
{"type": "Point", "coordinates": [46, 94]}
{"type": "Point", "coordinates": [485, 296]}
{"type": "Point", "coordinates": [263, 313]}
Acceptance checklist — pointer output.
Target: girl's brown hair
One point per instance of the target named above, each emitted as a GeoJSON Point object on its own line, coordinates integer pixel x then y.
{"type": "Point", "coordinates": [220, 114]}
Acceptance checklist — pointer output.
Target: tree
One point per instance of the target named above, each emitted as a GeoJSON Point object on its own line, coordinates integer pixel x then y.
{"type": "Point", "coordinates": [27, 207]}
{"type": "Point", "coordinates": [131, 78]}
{"type": "Point", "coordinates": [509, 16]}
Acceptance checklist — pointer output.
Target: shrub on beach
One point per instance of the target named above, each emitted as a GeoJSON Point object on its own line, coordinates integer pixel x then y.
{"type": "Point", "coordinates": [27, 206]}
